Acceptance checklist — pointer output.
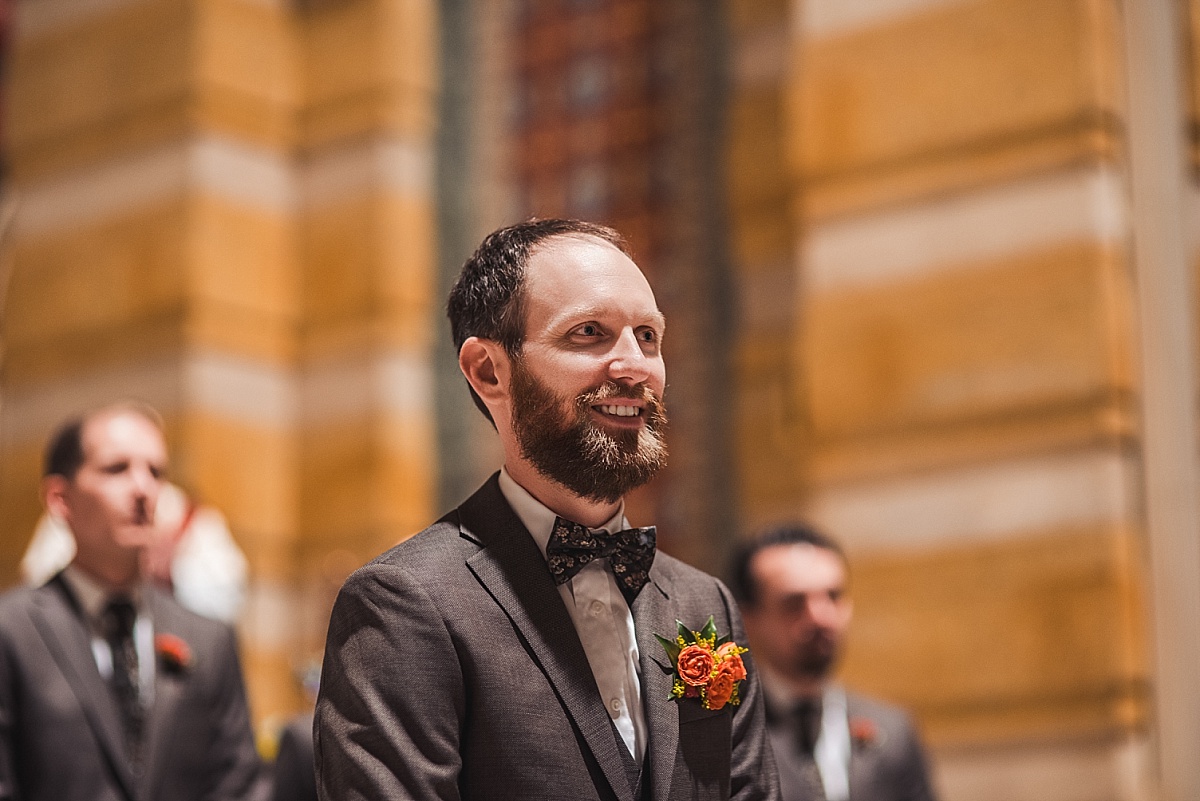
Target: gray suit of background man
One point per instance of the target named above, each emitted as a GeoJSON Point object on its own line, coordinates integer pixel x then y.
{"type": "Point", "coordinates": [457, 664]}
{"type": "Point", "coordinates": [91, 711]}
{"type": "Point", "coordinates": [830, 744]}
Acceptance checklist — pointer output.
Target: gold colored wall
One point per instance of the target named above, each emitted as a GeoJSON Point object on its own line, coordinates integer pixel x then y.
{"type": "Point", "coordinates": [951, 391]}
{"type": "Point", "coordinates": [223, 207]}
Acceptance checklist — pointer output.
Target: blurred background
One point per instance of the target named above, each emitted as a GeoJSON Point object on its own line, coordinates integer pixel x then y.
{"type": "Point", "coordinates": [927, 266]}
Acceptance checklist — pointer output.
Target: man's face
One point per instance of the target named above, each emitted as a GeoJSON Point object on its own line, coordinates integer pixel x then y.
{"type": "Point", "coordinates": [587, 387]}
{"type": "Point", "coordinates": [109, 503]}
{"type": "Point", "coordinates": [800, 620]}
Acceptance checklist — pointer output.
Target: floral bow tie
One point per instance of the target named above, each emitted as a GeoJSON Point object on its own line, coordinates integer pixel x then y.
{"type": "Point", "coordinates": [630, 553]}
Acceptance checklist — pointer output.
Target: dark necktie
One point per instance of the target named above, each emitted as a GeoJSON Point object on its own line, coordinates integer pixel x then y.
{"type": "Point", "coordinates": [119, 617]}
{"type": "Point", "coordinates": [630, 553]}
{"type": "Point", "coordinates": [806, 722]}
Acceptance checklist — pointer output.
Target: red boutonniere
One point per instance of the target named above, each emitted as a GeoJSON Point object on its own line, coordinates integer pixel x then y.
{"type": "Point", "coordinates": [175, 654]}
{"type": "Point", "coordinates": [863, 731]}
{"type": "Point", "coordinates": [706, 666]}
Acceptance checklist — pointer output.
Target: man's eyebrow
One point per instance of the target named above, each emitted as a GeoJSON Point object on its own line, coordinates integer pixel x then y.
{"type": "Point", "coordinates": [569, 313]}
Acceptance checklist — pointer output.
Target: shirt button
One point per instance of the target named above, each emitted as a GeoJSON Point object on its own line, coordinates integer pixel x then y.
{"type": "Point", "coordinates": [615, 705]}
{"type": "Point", "coordinates": [597, 608]}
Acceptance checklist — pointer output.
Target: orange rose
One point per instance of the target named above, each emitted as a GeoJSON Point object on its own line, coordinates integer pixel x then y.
{"type": "Point", "coordinates": [174, 651]}
{"type": "Point", "coordinates": [695, 665]}
{"type": "Point", "coordinates": [728, 653]}
{"type": "Point", "coordinates": [720, 689]}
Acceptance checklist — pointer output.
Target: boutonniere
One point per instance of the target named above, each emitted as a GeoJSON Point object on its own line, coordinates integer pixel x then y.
{"type": "Point", "coordinates": [175, 654]}
{"type": "Point", "coordinates": [706, 666]}
{"type": "Point", "coordinates": [863, 732]}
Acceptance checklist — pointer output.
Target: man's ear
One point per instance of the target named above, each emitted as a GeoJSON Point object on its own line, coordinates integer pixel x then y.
{"type": "Point", "coordinates": [54, 491]}
{"type": "Point", "coordinates": [487, 368]}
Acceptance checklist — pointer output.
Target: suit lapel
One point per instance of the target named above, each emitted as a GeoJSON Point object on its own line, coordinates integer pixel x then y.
{"type": "Point", "coordinates": [168, 689]}
{"type": "Point", "coordinates": [69, 641]}
{"type": "Point", "coordinates": [862, 755]}
{"type": "Point", "coordinates": [513, 571]}
{"type": "Point", "coordinates": [652, 615]}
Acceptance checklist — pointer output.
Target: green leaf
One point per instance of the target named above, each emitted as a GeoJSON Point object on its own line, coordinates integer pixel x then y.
{"type": "Point", "coordinates": [687, 634]}
{"type": "Point", "coordinates": [723, 640]}
{"type": "Point", "coordinates": [710, 629]}
{"type": "Point", "coordinates": [671, 647]}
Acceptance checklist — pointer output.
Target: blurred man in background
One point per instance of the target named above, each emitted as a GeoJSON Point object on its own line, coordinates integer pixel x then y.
{"type": "Point", "coordinates": [830, 744]}
{"type": "Point", "coordinates": [109, 689]}
{"type": "Point", "coordinates": [193, 555]}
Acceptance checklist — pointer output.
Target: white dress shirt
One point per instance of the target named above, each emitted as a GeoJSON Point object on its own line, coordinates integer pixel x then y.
{"type": "Point", "coordinates": [601, 617]}
{"type": "Point", "coordinates": [94, 598]}
{"type": "Point", "coordinates": [832, 752]}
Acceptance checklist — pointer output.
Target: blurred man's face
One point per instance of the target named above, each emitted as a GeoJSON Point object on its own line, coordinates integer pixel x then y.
{"type": "Point", "coordinates": [587, 388]}
{"type": "Point", "coordinates": [109, 503]}
{"type": "Point", "coordinates": [800, 620]}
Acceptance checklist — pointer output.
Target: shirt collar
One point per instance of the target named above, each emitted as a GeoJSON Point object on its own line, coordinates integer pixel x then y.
{"type": "Point", "coordinates": [538, 519]}
{"type": "Point", "coordinates": [91, 595]}
{"type": "Point", "coordinates": [777, 694]}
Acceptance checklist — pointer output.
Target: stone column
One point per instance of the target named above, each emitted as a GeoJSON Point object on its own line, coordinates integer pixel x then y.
{"type": "Point", "coordinates": [223, 207]}
{"type": "Point", "coordinates": [964, 389]}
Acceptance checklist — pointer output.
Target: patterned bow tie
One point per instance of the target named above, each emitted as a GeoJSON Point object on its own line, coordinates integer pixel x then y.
{"type": "Point", "coordinates": [629, 552]}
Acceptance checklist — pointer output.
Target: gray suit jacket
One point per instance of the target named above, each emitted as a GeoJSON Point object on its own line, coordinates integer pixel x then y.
{"type": "Point", "coordinates": [60, 731]}
{"type": "Point", "coordinates": [453, 671]}
{"type": "Point", "coordinates": [887, 762]}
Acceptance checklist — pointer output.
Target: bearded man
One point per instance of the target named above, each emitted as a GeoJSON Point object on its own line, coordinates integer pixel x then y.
{"type": "Point", "coordinates": [509, 650]}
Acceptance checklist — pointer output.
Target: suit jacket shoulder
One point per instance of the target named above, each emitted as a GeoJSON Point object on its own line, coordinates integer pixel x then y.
{"type": "Point", "coordinates": [888, 761]}
{"type": "Point", "coordinates": [60, 735]}
{"type": "Point", "coordinates": [453, 670]}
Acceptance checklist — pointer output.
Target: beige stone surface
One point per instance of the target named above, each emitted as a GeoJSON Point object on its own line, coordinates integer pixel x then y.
{"type": "Point", "coordinates": [1004, 339]}
{"type": "Point", "coordinates": [247, 70]}
{"type": "Point", "coordinates": [1053, 649]}
{"type": "Point", "coordinates": [955, 96]}
{"type": "Point", "coordinates": [82, 92]}
{"type": "Point", "coordinates": [225, 197]}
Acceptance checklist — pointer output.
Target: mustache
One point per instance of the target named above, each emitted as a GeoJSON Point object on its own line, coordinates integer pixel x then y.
{"type": "Point", "coordinates": [655, 408]}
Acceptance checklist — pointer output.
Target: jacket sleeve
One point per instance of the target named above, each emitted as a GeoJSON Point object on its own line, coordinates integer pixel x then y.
{"type": "Point", "coordinates": [8, 744]}
{"type": "Point", "coordinates": [753, 776]}
{"type": "Point", "coordinates": [391, 703]}
{"type": "Point", "coordinates": [235, 765]}
{"type": "Point", "coordinates": [913, 782]}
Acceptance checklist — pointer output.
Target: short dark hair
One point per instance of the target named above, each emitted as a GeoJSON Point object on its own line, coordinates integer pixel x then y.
{"type": "Point", "coordinates": [487, 300]}
{"type": "Point", "coordinates": [743, 584]}
{"type": "Point", "coordinates": [64, 453]}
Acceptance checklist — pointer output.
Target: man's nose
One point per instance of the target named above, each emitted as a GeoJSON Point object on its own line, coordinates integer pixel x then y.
{"type": "Point", "coordinates": [628, 362]}
{"type": "Point", "coordinates": [822, 610]}
{"type": "Point", "coordinates": [145, 482]}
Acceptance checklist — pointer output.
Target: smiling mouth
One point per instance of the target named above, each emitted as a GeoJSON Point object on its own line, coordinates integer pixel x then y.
{"type": "Point", "coordinates": [619, 410]}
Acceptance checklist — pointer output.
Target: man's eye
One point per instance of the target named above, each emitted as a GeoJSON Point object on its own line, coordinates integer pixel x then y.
{"type": "Point", "coordinates": [648, 335]}
{"type": "Point", "coordinates": [589, 329]}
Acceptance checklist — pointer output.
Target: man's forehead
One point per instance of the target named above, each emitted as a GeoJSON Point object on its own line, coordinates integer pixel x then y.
{"type": "Point", "coordinates": [569, 240]}
{"type": "Point", "coordinates": [794, 566]}
{"type": "Point", "coordinates": [112, 427]}
{"type": "Point", "coordinates": [584, 273]}
{"type": "Point", "coordinates": [564, 256]}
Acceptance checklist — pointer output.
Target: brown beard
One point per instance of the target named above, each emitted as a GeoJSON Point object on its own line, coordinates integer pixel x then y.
{"type": "Point", "coordinates": [815, 658]}
{"type": "Point", "coordinates": [589, 461]}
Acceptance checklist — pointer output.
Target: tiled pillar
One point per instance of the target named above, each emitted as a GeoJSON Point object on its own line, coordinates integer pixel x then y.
{"type": "Point", "coordinates": [963, 391]}
{"type": "Point", "coordinates": [222, 207]}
